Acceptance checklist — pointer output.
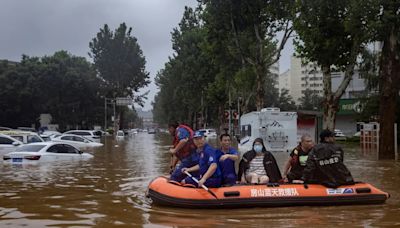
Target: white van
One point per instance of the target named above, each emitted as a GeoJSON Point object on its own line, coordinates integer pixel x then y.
{"type": "Point", "coordinates": [277, 129]}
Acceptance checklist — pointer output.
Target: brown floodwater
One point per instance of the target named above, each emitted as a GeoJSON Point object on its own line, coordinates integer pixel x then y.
{"type": "Point", "coordinates": [109, 191]}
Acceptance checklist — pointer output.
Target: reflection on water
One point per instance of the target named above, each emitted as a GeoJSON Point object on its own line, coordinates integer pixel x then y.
{"type": "Point", "coordinates": [109, 190]}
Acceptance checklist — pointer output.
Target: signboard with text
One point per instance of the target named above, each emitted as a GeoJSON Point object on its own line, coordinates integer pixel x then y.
{"type": "Point", "coordinates": [123, 101]}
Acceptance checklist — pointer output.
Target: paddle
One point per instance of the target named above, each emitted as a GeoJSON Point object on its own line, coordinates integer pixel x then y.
{"type": "Point", "coordinates": [203, 186]}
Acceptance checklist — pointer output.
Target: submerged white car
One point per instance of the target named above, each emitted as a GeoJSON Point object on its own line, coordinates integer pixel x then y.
{"type": "Point", "coordinates": [76, 140]}
{"type": "Point", "coordinates": [120, 135]}
{"type": "Point", "coordinates": [210, 133]}
{"type": "Point", "coordinates": [339, 135]}
{"type": "Point", "coordinates": [8, 144]}
{"type": "Point", "coordinates": [44, 152]}
{"type": "Point", "coordinates": [93, 135]}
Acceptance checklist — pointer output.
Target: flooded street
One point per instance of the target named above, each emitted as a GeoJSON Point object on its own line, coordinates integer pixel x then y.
{"type": "Point", "coordinates": [109, 191]}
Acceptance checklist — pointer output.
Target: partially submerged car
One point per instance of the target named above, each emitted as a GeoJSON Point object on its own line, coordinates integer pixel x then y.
{"type": "Point", "coordinates": [339, 135]}
{"type": "Point", "coordinates": [76, 140]}
{"type": "Point", "coordinates": [209, 132]}
{"type": "Point", "coordinates": [44, 152]}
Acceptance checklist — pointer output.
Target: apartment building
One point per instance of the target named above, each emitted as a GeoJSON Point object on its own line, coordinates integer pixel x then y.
{"type": "Point", "coordinates": [302, 76]}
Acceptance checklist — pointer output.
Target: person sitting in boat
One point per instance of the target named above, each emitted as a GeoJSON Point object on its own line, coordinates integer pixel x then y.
{"type": "Point", "coordinates": [325, 163]}
{"type": "Point", "coordinates": [183, 150]}
{"type": "Point", "coordinates": [227, 156]}
{"type": "Point", "coordinates": [210, 174]}
{"type": "Point", "coordinates": [294, 166]}
{"type": "Point", "coordinates": [258, 166]}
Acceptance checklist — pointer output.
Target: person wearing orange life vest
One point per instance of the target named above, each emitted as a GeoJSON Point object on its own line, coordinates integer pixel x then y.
{"type": "Point", "coordinates": [183, 150]}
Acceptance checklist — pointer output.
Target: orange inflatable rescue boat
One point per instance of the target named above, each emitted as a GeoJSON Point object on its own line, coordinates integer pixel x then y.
{"type": "Point", "coordinates": [163, 192]}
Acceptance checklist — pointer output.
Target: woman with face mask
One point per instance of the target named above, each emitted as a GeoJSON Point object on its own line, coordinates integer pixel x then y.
{"type": "Point", "coordinates": [258, 166]}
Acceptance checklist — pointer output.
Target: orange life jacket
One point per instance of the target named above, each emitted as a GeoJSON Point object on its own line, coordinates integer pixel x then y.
{"type": "Point", "coordinates": [189, 145]}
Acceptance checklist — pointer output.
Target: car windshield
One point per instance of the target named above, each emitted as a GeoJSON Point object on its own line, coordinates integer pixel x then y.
{"type": "Point", "coordinates": [34, 138]}
{"type": "Point", "coordinates": [29, 148]}
{"type": "Point", "coordinates": [17, 137]}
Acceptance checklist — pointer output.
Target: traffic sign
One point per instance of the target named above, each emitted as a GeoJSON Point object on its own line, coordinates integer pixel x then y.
{"type": "Point", "coordinates": [123, 101]}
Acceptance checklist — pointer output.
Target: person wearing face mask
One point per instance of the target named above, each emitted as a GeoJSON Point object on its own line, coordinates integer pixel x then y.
{"type": "Point", "coordinates": [258, 166]}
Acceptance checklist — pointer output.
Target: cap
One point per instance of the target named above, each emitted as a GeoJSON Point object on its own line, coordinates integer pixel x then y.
{"type": "Point", "coordinates": [198, 134]}
{"type": "Point", "coordinates": [326, 133]}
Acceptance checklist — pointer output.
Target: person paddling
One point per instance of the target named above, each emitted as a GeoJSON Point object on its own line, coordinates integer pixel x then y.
{"type": "Point", "coordinates": [210, 174]}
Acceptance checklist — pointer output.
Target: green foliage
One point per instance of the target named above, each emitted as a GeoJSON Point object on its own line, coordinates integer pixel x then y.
{"type": "Point", "coordinates": [119, 61]}
{"type": "Point", "coordinates": [285, 101]}
{"type": "Point", "coordinates": [223, 50]}
{"type": "Point", "coordinates": [311, 100]}
{"type": "Point", "coordinates": [241, 37]}
{"type": "Point", "coordinates": [328, 31]}
{"type": "Point", "coordinates": [186, 76]}
{"type": "Point", "coordinates": [63, 85]}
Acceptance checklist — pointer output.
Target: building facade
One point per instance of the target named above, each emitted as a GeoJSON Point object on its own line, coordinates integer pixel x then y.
{"type": "Point", "coordinates": [302, 76]}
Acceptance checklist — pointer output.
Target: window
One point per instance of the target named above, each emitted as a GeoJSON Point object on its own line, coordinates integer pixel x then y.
{"type": "Point", "coordinates": [18, 137]}
{"type": "Point", "coordinates": [81, 133]}
{"type": "Point", "coordinates": [78, 139]}
{"type": "Point", "coordinates": [246, 130]}
{"type": "Point", "coordinates": [55, 149]}
{"type": "Point", "coordinates": [5, 141]}
{"type": "Point", "coordinates": [70, 149]}
{"type": "Point", "coordinates": [70, 138]}
{"type": "Point", "coordinates": [63, 149]}
{"type": "Point", "coordinates": [33, 138]}
{"type": "Point", "coordinates": [30, 148]}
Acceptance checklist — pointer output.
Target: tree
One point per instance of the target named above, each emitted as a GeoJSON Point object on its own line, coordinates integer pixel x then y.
{"type": "Point", "coordinates": [247, 31]}
{"type": "Point", "coordinates": [120, 63]}
{"type": "Point", "coordinates": [310, 100]}
{"type": "Point", "coordinates": [63, 85]}
{"type": "Point", "coordinates": [388, 32]}
{"type": "Point", "coordinates": [332, 34]}
{"type": "Point", "coordinates": [185, 78]}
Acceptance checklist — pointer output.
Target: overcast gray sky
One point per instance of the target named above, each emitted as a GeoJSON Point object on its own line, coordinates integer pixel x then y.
{"type": "Point", "coordinates": [42, 27]}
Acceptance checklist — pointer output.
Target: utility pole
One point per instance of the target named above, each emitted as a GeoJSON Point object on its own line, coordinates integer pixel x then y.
{"type": "Point", "coordinates": [105, 113]}
{"type": "Point", "coordinates": [238, 114]}
{"type": "Point", "coordinates": [230, 112]}
{"type": "Point", "coordinates": [115, 126]}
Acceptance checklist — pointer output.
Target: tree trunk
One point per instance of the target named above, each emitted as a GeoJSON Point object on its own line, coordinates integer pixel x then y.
{"type": "Point", "coordinates": [389, 87]}
{"type": "Point", "coordinates": [330, 109]}
{"type": "Point", "coordinates": [330, 103]}
{"type": "Point", "coordinates": [260, 88]}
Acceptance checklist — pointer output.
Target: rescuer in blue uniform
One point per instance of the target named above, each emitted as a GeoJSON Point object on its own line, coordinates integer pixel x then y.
{"type": "Point", "coordinates": [210, 174]}
{"type": "Point", "coordinates": [227, 156]}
